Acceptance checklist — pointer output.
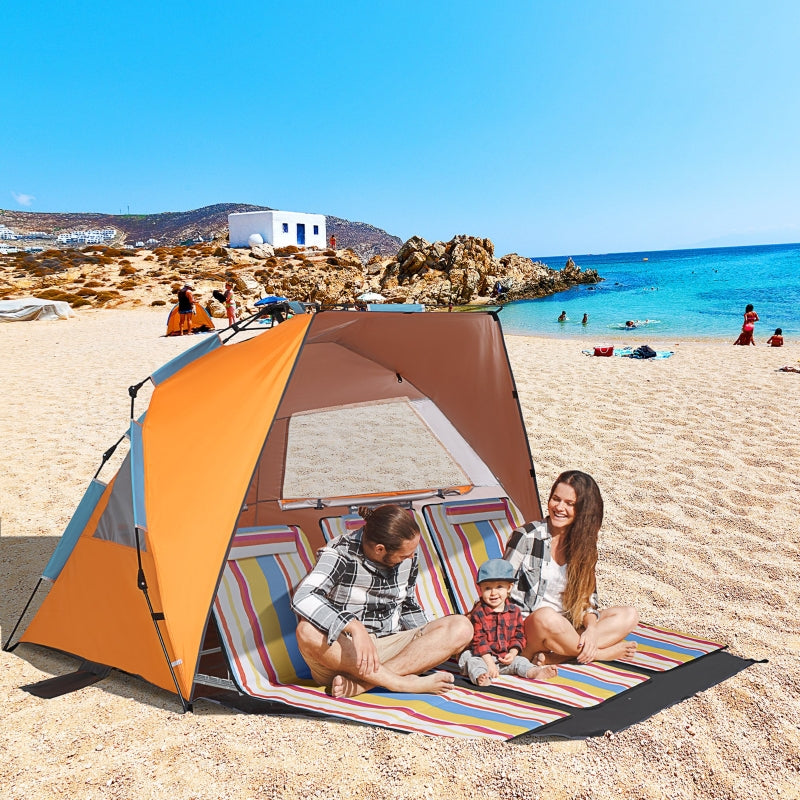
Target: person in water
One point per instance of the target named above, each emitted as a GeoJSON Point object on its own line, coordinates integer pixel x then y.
{"type": "Point", "coordinates": [776, 340]}
{"type": "Point", "coordinates": [750, 319]}
{"type": "Point", "coordinates": [585, 320]}
{"type": "Point", "coordinates": [562, 317]}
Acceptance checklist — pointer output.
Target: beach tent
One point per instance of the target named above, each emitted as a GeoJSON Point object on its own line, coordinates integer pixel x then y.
{"type": "Point", "coordinates": [30, 308]}
{"type": "Point", "coordinates": [133, 580]}
{"type": "Point", "coordinates": [201, 322]}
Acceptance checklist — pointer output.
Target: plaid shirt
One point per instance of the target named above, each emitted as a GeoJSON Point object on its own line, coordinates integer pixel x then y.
{"type": "Point", "coordinates": [497, 632]}
{"type": "Point", "coordinates": [528, 549]}
{"type": "Point", "coordinates": [345, 585]}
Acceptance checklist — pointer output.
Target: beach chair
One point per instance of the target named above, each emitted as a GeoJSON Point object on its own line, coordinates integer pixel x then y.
{"type": "Point", "coordinates": [257, 627]}
{"type": "Point", "coordinates": [466, 533]}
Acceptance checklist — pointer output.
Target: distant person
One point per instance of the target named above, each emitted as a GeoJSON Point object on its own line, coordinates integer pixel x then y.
{"type": "Point", "coordinates": [776, 340]}
{"type": "Point", "coordinates": [185, 310]}
{"type": "Point", "coordinates": [230, 305]}
{"type": "Point", "coordinates": [630, 324]}
{"type": "Point", "coordinates": [333, 242]}
{"type": "Point", "coordinates": [585, 320]}
{"type": "Point", "coordinates": [499, 637]}
{"type": "Point", "coordinates": [562, 317]}
{"type": "Point", "coordinates": [750, 319]}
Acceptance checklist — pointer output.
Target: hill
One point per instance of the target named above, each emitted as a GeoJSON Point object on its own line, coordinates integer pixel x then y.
{"type": "Point", "coordinates": [209, 223]}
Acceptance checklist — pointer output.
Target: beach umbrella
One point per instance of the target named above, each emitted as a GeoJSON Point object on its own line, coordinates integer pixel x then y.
{"type": "Point", "coordinates": [371, 297]}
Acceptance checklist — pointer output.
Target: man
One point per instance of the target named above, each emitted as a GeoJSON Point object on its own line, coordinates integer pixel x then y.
{"type": "Point", "coordinates": [186, 309]}
{"type": "Point", "coordinates": [360, 625]}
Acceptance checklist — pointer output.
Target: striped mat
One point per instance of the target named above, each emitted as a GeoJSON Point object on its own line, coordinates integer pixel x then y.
{"type": "Point", "coordinates": [576, 685]}
{"type": "Point", "coordinates": [257, 627]}
{"type": "Point", "coordinates": [661, 649]}
{"type": "Point", "coordinates": [466, 533]}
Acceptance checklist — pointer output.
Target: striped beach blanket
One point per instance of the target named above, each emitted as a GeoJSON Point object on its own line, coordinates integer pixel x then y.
{"type": "Point", "coordinates": [257, 626]}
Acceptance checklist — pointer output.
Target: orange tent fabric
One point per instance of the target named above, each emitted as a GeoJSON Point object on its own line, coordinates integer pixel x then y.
{"type": "Point", "coordinates": [251, 389]}
{"type": "Point", "coordinates": [200, 322]}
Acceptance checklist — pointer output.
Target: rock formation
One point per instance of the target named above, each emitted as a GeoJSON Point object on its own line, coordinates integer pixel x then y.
{"type": "Point", "coordinates": [464, 270]}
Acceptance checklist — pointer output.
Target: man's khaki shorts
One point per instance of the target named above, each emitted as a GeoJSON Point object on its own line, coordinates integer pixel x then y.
{"type": "Point", "coordinates": [387, 646]}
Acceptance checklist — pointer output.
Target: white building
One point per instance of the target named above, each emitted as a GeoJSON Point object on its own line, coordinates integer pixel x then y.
{"type": "Point", "coordinates": [278, 228]}
{"type": "Point", "coordinates": [87, 237]}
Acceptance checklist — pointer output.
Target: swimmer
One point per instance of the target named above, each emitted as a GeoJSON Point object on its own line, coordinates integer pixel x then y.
{"type": "Point", "coordinates": [562, 317]}
{"type": "Point", "coordinates": [585, 320]}
{"type": "Point", "coordinates": [630, 324]}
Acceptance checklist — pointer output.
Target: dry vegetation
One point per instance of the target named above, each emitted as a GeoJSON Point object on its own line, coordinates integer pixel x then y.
{"type": "Point", "coordinates": [103, 276]}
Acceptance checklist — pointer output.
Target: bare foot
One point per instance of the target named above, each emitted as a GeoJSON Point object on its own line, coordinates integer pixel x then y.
{"type": "Point", "coordinates": [345, 686]}
{"type": "Point", "coordinates": [435, 683]}
{"type": "Point", "coordinates": [484, 680]}
{"type": "Point", "coordinates": [623, 649]}
{"type": "Point", "coordinates": [542, 673]}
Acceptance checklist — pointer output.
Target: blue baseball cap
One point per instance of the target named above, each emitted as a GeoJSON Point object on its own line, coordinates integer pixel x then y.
{"type": "Point", "coordinates": [496, 569]}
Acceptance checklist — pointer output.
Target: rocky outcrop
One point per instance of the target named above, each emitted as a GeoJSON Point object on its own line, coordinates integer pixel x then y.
{"type": "Point", "coordinates": [464, 270]}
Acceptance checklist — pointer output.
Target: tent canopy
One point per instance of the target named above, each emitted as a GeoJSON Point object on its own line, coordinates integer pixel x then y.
{"type": "Point", "coordinates": [317, 382]}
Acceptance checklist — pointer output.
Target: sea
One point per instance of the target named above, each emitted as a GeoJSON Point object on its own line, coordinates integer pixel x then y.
{"type": "Point", "coordinates": [670, 295]}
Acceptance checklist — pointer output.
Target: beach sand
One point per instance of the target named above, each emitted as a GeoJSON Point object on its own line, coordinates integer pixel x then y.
{"type": "Point", "coordinates": [697, 458]}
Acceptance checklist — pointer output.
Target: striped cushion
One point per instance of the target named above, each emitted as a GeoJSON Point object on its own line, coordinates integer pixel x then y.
{"type": "Point", "coordinates": [257, 625]}
{"type": "Point", "coordinates": [660, 649]}
{"type": "Point", "coordinates": [466, 533]}
{"type": "Point", "coordinates": [253, 605]}
{"type": "Point", "coordinates": [431, 589]}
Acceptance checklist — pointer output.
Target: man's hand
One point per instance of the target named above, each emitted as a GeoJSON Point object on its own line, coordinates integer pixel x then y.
{"type": "Point", "coordinates": [365, 656]}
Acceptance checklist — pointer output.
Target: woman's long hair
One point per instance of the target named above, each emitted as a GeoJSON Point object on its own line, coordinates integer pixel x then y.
{"type": "Point", "coordinates": [580, 544]}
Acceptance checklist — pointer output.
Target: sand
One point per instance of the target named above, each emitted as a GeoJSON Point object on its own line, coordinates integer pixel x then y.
{"type": "Point", "coordinates": [697, 458]}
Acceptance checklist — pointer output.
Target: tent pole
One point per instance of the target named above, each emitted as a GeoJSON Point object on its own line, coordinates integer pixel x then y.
{"type": "Point", "coordinates": [24, 610]}
{"type": "Point", "coordinates": [141, 582]}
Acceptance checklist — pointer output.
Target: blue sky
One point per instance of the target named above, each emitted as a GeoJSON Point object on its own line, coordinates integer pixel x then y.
{"type": "Point", "coordinates": [551, 128]}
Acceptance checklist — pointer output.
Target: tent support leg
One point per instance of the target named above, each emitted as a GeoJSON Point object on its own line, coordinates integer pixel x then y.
{"type": "Point", "coordinates": [6, 646]}
{"type": "Point", "coordinates": [141, 582]}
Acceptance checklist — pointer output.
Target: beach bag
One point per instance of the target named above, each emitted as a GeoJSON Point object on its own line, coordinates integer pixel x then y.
{"type": "Point", "coordinates": [604, 350]}
{"type": "Point", "coordinates": [219, 296]}
{"type": "Point", "coordinates": [645, 351]}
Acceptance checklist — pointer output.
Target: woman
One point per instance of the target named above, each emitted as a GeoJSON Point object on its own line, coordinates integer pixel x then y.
{"type": "Point", "coordinates": [230, 304]}
{"type": "Point", "coordinates": [555, 566]}
{"type": "Point", "coordinates": [750, 319]}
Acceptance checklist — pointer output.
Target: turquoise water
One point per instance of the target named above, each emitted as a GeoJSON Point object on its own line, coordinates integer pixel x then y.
{"type": "Point", "coordinates": [694, 294]}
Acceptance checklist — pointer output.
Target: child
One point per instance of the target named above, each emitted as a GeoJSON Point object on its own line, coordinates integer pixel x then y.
{"type": "Point", "coordinates": [776, 340]}
{"type": "Point", "coordinates": [499, 636]}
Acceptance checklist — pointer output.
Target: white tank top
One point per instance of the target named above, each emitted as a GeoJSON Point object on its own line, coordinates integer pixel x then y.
{"type": "Point", "coordinates": [556, 577]}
